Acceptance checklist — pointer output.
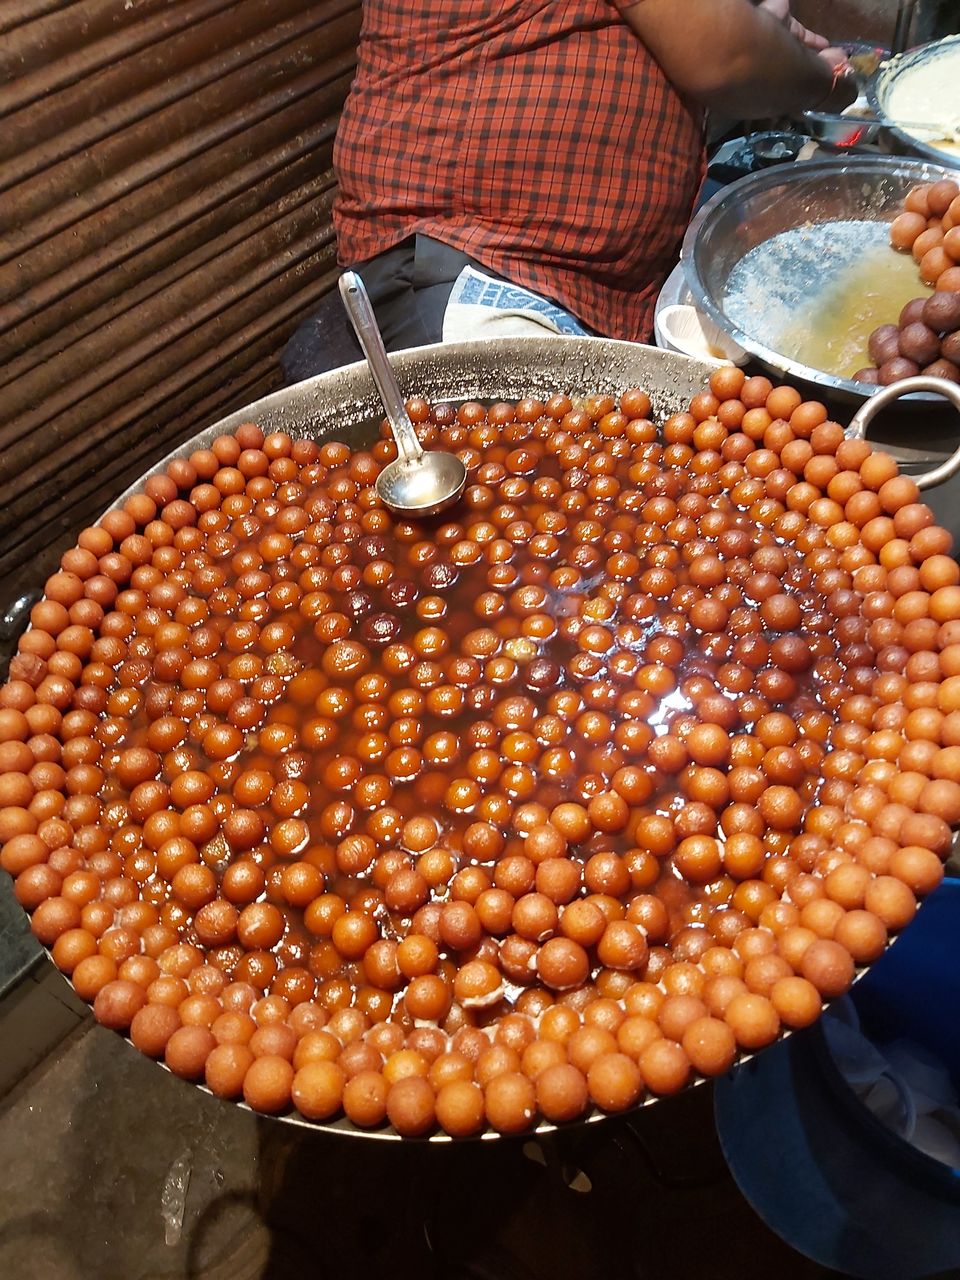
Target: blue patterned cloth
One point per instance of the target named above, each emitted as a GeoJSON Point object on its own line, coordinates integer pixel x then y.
{"type": "Point", "coordinates": [478, 302]}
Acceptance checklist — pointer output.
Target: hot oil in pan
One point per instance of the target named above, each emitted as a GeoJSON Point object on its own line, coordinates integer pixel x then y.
{"type": "Point", "coordinates": [442, 716]}
{"type": "Point", "coordinates": [815, 293]}
{"type": "Point", "coordinates": [833, 335]}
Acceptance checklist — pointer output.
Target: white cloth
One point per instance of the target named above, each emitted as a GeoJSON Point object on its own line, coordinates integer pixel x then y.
{"type": "Point", "coordinates": [481, 307]}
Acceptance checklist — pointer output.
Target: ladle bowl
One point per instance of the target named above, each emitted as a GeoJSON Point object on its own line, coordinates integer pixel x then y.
{"type": "Point", "coordinates": [417, 483]}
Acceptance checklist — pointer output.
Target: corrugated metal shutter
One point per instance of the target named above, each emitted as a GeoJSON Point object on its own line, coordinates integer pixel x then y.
{"type": "Point", "coordinates": [165, 191]}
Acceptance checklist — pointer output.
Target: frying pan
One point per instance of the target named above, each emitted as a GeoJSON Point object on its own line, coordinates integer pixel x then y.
{"type": "Point", "coordinates": [781, 223]}
{"type": "Point", "coordinates": [344, 405]}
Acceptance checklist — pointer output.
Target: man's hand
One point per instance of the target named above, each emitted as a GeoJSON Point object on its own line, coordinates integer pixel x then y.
{"type": "Point", "coordinates": [781, 11]}
{"type": "Point", "coordinates": [837, 61]}
{"type": "Point", "coordinates": [844, 89]}
{"type": "Point", "coordinates": [835, 58]}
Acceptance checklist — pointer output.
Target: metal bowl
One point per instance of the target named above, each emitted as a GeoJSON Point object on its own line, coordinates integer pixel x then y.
{"type": "Point", "coordinates": [881, 86]}
{"type": "Point", "coordinates": [762, 205]}
{"type": "Point", "coordinates": [841, 131]}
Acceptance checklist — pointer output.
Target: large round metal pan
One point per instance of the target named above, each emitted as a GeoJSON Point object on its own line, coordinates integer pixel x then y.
{"type": "Point", "coordinates": [343, 405]}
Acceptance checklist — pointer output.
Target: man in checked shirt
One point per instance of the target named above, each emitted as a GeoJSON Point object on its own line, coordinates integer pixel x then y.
{"type": "Point", "coordinates": [531, 165]}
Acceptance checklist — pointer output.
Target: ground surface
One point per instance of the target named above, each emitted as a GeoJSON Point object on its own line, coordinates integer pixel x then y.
{"type": "Point", "coordinates": [114, 1170]}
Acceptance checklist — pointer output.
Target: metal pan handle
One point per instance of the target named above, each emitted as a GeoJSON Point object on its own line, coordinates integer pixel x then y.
{"type": "Point", "coordinates": [880, 399]}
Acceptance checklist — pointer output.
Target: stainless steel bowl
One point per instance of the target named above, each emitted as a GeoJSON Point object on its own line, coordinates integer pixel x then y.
{"type": "Point", "coordinates": [841, 131]}
{"type": "Point", "coordinates": [880, 88]}
{"type": "Point", "coordinates": [754, 209]}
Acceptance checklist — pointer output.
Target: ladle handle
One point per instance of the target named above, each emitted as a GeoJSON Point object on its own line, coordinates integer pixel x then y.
{"type": "Point", "coordinates": [357, 304]}
{"type": "Point", "coordinates": [880, 399]}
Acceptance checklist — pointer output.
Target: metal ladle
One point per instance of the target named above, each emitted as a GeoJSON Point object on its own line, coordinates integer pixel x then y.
{"type": "Point", "coordinates": [415, 483]}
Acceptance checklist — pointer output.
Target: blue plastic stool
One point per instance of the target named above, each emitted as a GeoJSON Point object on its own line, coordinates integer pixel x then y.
{"type": "Point", "coordinates": [820, 1169]}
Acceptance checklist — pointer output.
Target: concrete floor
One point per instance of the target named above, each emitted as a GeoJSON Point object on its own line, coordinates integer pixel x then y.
{"type": "Point", "coordinates": [113, 1169]}
{"type": "Point", "coordinates": [94, 1137]}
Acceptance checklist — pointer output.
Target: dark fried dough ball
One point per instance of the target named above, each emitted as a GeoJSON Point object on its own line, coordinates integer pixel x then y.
{"type": "Point", "coordinates": [941, 312]}
{"type": "Point", "coordinates": [884, 344]}
{"type": "Point", "coordinates": [895, 369]}
{"type": "Point", "coordinates": [919, 342]}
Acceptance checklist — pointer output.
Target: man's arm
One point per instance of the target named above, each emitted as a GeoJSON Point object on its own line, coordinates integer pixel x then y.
{"type": "Point", "coordinates": [732, 57]}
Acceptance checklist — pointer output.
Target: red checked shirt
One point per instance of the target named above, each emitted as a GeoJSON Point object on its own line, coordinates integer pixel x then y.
{"type": "Point", "coordinates": [538, 136]}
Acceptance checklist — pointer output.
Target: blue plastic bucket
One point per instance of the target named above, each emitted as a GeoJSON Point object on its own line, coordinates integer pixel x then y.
{"type": "Point", "coordinates": [820, 1169]}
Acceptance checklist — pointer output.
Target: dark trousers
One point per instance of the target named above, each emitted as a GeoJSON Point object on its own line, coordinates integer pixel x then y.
{"type": "Point", "coordinates": [409, 287]}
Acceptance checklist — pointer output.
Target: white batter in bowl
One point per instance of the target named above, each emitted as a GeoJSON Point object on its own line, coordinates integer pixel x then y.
{"type": "Point", "coordinates": [922, 87]}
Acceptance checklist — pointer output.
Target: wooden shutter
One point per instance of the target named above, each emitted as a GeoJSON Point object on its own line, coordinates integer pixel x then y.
{"type": "Point", "coordinates": [165, 191]}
